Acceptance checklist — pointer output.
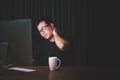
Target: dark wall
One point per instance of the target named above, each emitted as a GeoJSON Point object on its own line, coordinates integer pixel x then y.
{"type": "Point", "coordinates": [75, 18]}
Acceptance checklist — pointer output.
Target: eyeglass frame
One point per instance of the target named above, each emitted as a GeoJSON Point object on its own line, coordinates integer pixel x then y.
{"type": "Point", "coordinates": [43, 28]}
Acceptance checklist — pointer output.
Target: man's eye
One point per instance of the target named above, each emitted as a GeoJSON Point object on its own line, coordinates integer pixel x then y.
{"type": "Point", "coordinates": [43, 28]}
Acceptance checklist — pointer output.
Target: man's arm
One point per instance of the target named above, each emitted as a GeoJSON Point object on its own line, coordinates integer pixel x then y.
{"type": "Point", "coordinates": [60, 41]}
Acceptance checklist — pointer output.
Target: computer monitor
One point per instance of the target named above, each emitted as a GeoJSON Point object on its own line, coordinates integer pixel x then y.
{"type": "Point", "coordinates": [18, 35]}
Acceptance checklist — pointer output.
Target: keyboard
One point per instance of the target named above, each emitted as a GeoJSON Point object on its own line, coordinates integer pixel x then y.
{"type": "Point", "coordinates": [21, 69]}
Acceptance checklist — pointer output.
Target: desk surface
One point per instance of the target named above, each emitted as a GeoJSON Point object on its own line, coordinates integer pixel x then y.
{"type": "Point", "coordinates": [43, 73]}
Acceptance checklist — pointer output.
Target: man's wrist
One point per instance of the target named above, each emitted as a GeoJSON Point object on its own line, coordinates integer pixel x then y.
{"type": "Point", "coordinates": [55, 32]}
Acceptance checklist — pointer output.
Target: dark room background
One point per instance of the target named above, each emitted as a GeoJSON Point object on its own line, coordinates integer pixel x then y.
{"type": "Point", "coordinates": [75, 18]}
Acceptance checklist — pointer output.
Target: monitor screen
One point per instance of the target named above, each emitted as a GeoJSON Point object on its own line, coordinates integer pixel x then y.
{"type": "Point", "coordinates": [18, 35]}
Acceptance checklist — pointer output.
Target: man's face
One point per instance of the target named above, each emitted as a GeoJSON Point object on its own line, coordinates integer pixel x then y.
{"type": "Point", "coordinates": [46, 31]}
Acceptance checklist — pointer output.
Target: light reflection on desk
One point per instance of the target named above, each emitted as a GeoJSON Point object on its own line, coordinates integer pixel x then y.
{"type": "Point", "coordinates": [43, 73]}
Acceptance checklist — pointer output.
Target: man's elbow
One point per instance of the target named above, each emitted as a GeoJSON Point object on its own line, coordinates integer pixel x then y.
{"type": "Point", "coordinates": [64, 47]}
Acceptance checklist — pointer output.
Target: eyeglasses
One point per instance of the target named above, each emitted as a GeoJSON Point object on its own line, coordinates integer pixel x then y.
{"type": "Point", "coordinates": [43, 28]}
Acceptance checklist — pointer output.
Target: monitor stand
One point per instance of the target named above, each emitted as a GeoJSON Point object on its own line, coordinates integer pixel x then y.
{"type": "Point", "coordinates": [3, 52]}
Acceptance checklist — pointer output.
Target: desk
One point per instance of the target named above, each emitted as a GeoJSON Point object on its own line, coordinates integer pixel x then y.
{"type": "Point", "coordinates": [43, 73]}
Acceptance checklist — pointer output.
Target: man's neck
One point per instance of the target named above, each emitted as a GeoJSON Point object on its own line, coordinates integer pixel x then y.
{"type": "Point", "coordinates": [52, 39]}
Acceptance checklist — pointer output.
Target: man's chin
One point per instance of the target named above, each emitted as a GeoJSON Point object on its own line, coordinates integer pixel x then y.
{"type": "Point", "coordinates": [50, 37]}
{"type": "Point", "coordinates": [45, 37]}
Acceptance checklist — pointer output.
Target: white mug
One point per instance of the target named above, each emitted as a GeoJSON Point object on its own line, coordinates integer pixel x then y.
{"type": "Point", "coordinates": [54, 63]}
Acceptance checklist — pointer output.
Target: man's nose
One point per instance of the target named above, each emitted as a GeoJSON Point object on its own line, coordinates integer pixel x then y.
{"type": "Point", "coordinates": [42, 33]}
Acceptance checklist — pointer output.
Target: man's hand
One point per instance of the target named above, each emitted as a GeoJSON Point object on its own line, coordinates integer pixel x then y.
{"type": "Point", "coordinates": [55, 31]}
{"type": "Point", "coordinates": [59, 40]}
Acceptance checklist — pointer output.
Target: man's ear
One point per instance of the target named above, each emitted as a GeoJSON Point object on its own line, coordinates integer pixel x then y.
{"type": "Point", "coordinates": [52, 25]}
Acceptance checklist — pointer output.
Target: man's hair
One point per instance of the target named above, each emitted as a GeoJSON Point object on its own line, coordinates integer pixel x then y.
{"type": "Point", "coordinates": [47, 20]}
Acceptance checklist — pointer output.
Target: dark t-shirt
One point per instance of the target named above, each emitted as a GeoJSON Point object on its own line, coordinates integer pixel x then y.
{"type": "Point", "coordinates": [45, 49]}
{"type": "Point", "coordinates": [51, 50]}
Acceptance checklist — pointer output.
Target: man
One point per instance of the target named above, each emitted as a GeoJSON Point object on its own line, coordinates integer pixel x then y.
{"type": "Point", "coordinates": [57, 44]}
{"type": "Point", "coordinates": [48, 31]}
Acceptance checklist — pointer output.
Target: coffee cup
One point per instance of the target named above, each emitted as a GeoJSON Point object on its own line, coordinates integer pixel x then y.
{"type": "Point", "coordinates": [54, 63]}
